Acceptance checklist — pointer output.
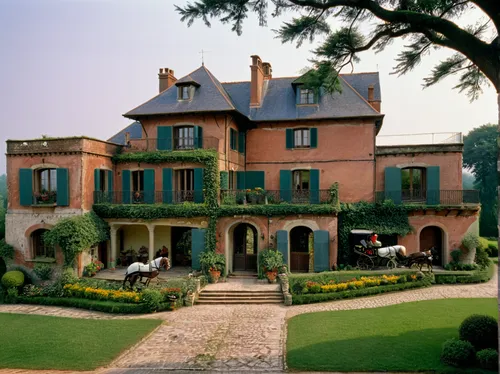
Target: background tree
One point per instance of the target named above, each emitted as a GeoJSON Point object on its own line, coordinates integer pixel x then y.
{"type": "Point", "coordinates": [429, 24]}
{"type": "Point", "coordinates": [480, 156]}
{"type": "Point", "coordinates": [468, 180]}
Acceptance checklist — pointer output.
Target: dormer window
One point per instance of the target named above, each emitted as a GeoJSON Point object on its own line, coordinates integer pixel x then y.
{"type": "Point", "coordinates": [186, 89]}
{"type": "Point", "coordinates": [185, 92]}
{"type": "Point", "coordinates": [306, 96]}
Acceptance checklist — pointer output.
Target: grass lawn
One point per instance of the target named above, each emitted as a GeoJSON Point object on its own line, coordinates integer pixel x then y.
{"type": "Point", "coordinates": [404, 337]}
{"type": "Point", "coordinates": [41, 342]}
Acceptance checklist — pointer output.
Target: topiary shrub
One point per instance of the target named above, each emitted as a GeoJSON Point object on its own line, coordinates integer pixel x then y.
{"type": "Point", "coordinates": [480, 330]}
{"type": "Point", "coordinates": [488, 359]}
{"type": "Point", "coordinates": [457, 353]}
{"type": "Point", "coordinates": [12, 279]}
{"type": "Point", "coordinates": [43, 271]}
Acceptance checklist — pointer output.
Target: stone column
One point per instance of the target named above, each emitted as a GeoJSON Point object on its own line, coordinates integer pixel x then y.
{"type": "Point", "coordinates": [114, 250]}
{"type": "Point", "coordinates": [151, 247]}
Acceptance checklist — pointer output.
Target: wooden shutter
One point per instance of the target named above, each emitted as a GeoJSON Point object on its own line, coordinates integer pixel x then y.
{"type": "Point", "coordinates": [240, 180]}
{"type": "Point", "coordinates": [97, 186]}
{"type": "Point", "coordinates": [254, 179]}
{"type": "Point", "coordinates": [321, 251]}
{"type": "Point", "coordinates": [289, 139]}
{"type": "Point", "coordinates": [286, 185]}
{"type": "Point", "coordinates": [313, 133]}
{"type": "Point", "coordinates": [25, 187]}
{"type": "Point", "coordinates": [198, 137]}
{"type": "Point", "coordinates": [314, 186]}
{"type": "Point", "coordinates": [164, 141]}
{"type": "Point", "coordinates": [126, 192]}
{"type": "Point", "coordinates": [393, 184]}
{"type": "Point", "coordinates": [168, 193]}
{"type": "Point", "coordinates": [282, 244]}
{"type": "Point", "coordinates": [62, 186]}
{"type": "Point", "coordinates": [111, 191]}
{"type": "Point", "coordinates": [433, 185]}
{"type": "Point", "coordinates": [149, 186]}
{"type": "Point", "coordinates": [241, 142]}
{"type": "Point", "coordinates": [197, 246]}
{"type": "Point", "coordinates": [198, 185]}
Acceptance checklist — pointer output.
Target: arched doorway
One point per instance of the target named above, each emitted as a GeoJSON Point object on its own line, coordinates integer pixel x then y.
{"type": "Point", "coordinates": [432, 236]}
{"type": "Point", "coordinates": [245, 248]}
{"type": "Point", "coordinates": [39, 247]}
{"type": "Point", "coordinates": [300, 237]}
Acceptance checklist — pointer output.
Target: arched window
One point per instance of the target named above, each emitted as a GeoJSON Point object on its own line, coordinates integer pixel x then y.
{"type": "Point", "coordinates": [413, 182]}
{"type": "Point", "coordinates": [40, 248]}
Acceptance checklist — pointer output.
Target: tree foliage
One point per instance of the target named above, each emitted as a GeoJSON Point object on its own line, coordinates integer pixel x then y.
{"type": "Point", "coordinates": [480, 157]}
{"type": "Point", "coordinates": [426, 24]}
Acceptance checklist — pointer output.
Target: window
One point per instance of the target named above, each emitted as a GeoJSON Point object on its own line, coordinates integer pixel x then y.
{"type": "Point", "coordinates": [46, 180]}
{"type": "Point", "coordinates": [40, 248]}
{"type": "Point", "coordinates": [184, 185]}
{"type": "Point", "coordinates": [184, 137]}
{"type": "Point", "coordinates": [103, 179]}
{"type": "Point", "coordinates": [413, 181]}
{"type": "Point", "coordinates": [138, 180]}
{"type": "Point", "coordinates": [301, 138]}
{"type": "Point", "coordinates": [184, 92]}
{"type": "Point", "coordinates": [301, 180]}
{"type": "Point", "coordinates": [306, 96]}
{"type": "Point", "coordinates": [233, 139]}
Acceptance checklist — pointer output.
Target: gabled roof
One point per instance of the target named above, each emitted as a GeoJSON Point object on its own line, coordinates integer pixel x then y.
{"type": "Point", "coordinates": [209, 97]}
{"type": "Point", "coordinates": [135, 130]}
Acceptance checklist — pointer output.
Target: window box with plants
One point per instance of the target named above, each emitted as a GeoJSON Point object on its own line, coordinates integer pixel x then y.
{"type": "Point", "coordinates": [212, 264]}
{"type": "Point", "coordinates": [45, 197]}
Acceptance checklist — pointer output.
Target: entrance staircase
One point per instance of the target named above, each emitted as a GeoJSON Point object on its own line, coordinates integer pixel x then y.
{"type": "Point", "coordinates": [241, 289]}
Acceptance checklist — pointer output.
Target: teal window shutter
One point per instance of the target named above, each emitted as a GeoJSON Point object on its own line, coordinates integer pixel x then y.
{"type": "Point", "coordinates": [289, 138]}
{"type": "Point", "coordinates": [282, 244]}
{"type": "Point", "coordinates": [241, 142]}
{"type": "Point", "coordinates": [97, 179]}
{"type": "Point", "coordinates": [167, 186]}
{"type": "Point", "coordinates": [25, 187]}
{"type": "Point", "coordinates": [254, 179]}
{"type": "Point", "coordinates": [321, 251]}
{"type": "Point", "coordinates": [393, 184]}
{"type": "Point", "coordinates": [62, 186]}
{"type": "Point", "coordinates": [224, 180]}
{"type": "Point", "coordinates": [126, 192]}
{"type": "Point", "coordinates": [197, 246]}
{"type": "Point", "coordinates": [286, 185]}
{"type": "Point", "coordinates": [164, 141]}
{"type": "Point", "coordinates": [240, 180]}
{"type": "Point", "coordinates": [433, 185]}
{"type": "Point", "coordinates": [111, 192]}
{"type": "Point", "coordinates": [313, 133]}
{"type": "Point", "coordinates": [149, 186]}
{"type": "Point", "coordinates": [198, 185]}
{"type": "Point", "coordinates": [198, 134]}
{"type": "Point", "coordinates": [314, 186]}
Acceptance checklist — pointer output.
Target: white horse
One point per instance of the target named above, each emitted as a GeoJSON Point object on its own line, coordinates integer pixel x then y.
{"type": "Point", "coordinates": [392, 251]}
{"type": "Point", "coordinates": [150, 271]}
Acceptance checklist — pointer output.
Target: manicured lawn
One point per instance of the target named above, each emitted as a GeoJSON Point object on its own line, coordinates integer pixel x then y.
{"type": "Point", "coordinates": [41, 342]}
{"type": "Point", "coordinates": [404, 337]}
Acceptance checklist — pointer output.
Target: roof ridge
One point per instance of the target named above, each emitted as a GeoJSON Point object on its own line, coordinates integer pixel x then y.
{"type": "Point", "coordinates": [224, 94]}
{"type": "Point", "coordinates": [234, 82]}
{"type": "Point", "coordinates": [357, 93]}
{"type": "Point", "coordinates": [363, 72]}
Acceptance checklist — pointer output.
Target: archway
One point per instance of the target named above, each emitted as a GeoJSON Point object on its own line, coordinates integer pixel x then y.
{"type": "Point", "coordinates": [300, 237]}
{"type": "Point", "coordinates": [432, 236]}
{"type": "Point", "coordinates": [244, 248]}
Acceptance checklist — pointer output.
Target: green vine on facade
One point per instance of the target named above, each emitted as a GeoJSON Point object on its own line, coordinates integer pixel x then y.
{"type": "Point", "coordinates": [334, 195]}
{"type": "Point", "coordinates": [76, 234]}
{"type": "Point", "coordinates": [224, 180]}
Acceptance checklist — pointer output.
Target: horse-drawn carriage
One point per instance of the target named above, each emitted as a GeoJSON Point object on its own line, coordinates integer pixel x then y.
{"type": "Point", "coordinates": [371, 254]}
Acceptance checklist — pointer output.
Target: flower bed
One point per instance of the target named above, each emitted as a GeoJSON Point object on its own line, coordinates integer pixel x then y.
{"type": "Point", "coordinates": [76, 290]}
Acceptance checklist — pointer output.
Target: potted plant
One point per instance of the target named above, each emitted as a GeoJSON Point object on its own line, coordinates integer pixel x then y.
{"type": "Point", "coordinates": [212, 264]}
{"type": "Point", "coordinates": [143, 254]}
{"type": "Point", "coordinates": [271, 261]}
{"type": "Point", "coordinates": [131, 255]}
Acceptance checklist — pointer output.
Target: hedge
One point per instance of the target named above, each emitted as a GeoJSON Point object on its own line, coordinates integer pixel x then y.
{"type": "Point", "coordinates": [320, 297]}
{"type": "Point", "coordinates": [96, 305]}
{"type": "Point", "coordinates": [477, 276]}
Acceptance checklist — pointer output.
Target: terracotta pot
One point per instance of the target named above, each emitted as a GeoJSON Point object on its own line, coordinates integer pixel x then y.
{"type": "Point", "coordinates": [214, 275]}
{"type": "Point", "coordinates": [271, 276]}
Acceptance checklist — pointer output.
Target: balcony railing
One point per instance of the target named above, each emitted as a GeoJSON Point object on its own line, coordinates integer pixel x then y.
{"type": "Point", "coordinates": [148, 197]}
{"type": "Point", "coordinates": [179, 143]}
{"type": "Point", "coordinates": [239, 197]}
{"type": "Point", "coordinates": [420, 139]}
{"type": "Point", "coordinates": [430, 197]}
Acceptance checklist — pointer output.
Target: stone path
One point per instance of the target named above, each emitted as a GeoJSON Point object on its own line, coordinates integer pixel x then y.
{"type": "Point", "coordinates": [235, 338]}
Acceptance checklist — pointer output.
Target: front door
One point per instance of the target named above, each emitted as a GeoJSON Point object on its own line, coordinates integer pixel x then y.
{"type": "Point", "coordinates": [245, 248]}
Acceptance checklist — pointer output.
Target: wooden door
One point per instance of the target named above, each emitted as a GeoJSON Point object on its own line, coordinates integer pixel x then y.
{"type": "Point", "coordinates": [431, 236]}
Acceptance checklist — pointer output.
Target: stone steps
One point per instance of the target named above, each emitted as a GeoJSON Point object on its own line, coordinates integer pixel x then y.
{"type": "Point", "coordinates": [239, 297]}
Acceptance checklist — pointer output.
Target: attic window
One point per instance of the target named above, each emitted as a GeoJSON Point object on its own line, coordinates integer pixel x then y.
{"type": "Point", "coordinates": [306, 96]}
{"type": "Point", "coordinates": [185, 92]}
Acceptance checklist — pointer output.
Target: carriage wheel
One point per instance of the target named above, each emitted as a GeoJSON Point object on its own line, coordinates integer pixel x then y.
{"type": "Point", "coordinates": [365, 263]}
{"type": "Point", "coordinates": [391, 264]}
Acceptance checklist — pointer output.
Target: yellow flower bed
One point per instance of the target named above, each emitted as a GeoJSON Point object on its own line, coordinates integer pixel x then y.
{"type": "Point", "coordinates": [76, 290]}
{"type": "Point", "coordinates": [364, 282]}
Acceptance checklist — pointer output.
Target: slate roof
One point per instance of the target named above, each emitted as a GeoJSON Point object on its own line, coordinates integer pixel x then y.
{"type": "Point", "coordinates": [135, 130]}
{"type": "Point", "coordinates": [361, 81]}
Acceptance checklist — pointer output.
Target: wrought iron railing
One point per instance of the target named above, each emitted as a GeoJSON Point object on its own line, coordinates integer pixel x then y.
{"type": "Point", "coordinates": [260, 196]}
{"type": "Point", "coordinates": [148, 197]}
{"type": "Point", "coordinates": [430, 197]}
{"type": "Point", "coordinates": [176, 143]}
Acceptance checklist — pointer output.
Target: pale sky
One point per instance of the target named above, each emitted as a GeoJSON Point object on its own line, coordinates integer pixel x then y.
{"type": "Point", "coordinates": [73, 67]}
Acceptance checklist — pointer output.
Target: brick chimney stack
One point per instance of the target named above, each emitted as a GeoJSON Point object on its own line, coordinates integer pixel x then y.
{"type": "Point", "coordinates": [268, 70]}
{"type": "Point", "coordinates": [166, 78]}
{"type": "Point", "coordinates": [371, 98]}
{"type": "Point", "coordinates": [256, 81]}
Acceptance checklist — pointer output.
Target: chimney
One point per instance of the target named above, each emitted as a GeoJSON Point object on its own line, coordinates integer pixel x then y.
{"type": "Point", "coordinates": [371, 98]}
{"type": "Point", "coordinates": [268, 70]}
{"type": "Point", "coordinates": [166, 78]}
{"type": "Point", "coordinates": [256, 81]}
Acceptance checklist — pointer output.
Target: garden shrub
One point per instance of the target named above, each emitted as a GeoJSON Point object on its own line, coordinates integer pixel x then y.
{"type": "Point", "coordinates": [43, 271]}
{"type": "Point", "coordinates": [30, 276]}
{"type": "Point", "coordinates": [457, 353]}
{"type": "Point", "coordinates": [12, 295]}
{"type": "Point", "coordinates": [13, 279]}
{"type": "Point", "coordinates": [152, 299]}
{"type": "Point", "coordinates": [492, 250]}
{"type": "Point", "coordinates": [480, 330]}
{"type": "Point", "coordinates": [76, 290]}
{"type": "Point", "coordinates": [455, 255]}
{"type": "Point", "coordinates": [488, 359]}
{"type": "Point", "coordinates": [471, 241]}
{"type": "Point", "coordinates": [171, 294]}
{"type": "Point", "coordinates": [6, 250]}
{"type": "Point", "coordinates": [481, 258]}
{"type": "Point", "coordinates": [3, 267]}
